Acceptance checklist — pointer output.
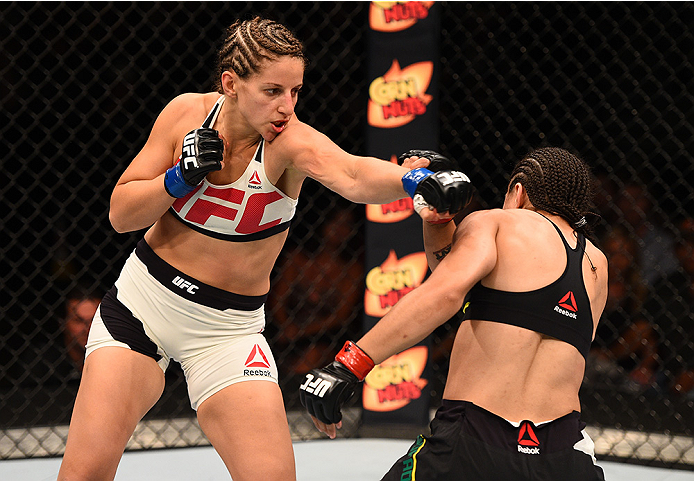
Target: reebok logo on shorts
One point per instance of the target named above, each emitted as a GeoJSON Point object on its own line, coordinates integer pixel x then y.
{"type": "Point", "coordinates": [527, 440]}
{"type": "Point", "coordinates": [257, 359]}
{"type": "Point", "coordinates": [567, 305]}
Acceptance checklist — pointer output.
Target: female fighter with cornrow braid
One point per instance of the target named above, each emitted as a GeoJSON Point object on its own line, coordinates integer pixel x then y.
{"type": "Point", "coordinates": [532, 288]}
{"type": "Point", "coordinates": [216, 184]}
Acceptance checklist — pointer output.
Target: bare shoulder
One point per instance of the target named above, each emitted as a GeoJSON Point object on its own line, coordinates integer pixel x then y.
{"type": "Point", "coordinates": [193, 105]}
{"type": "Point", "coordinates": [482, 218]}
{"type": "Point", "coordinates": [304, 149]}
{"type": "Point", "coordinates": [479, 223]}
{"type": "Point", "coordinates": [524, 225]}
{"type": "Point", "coordinates": [510, 231]}
{"type": "Point", "coordinates": [299, 138]}
{"type": "Point", "coordinates": [486, 215]}
{"type": "Point", "coordinates": [182, 114]}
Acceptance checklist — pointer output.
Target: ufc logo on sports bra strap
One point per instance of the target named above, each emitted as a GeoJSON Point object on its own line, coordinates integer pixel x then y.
{"type": "Point", "coordinates": [253, 212]}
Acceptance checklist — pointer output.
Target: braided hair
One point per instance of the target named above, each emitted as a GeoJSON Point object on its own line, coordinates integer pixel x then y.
{"type": "Point", "coordinates": [249, 42]}
{"type": "Point", "coordinates": [557, 182]}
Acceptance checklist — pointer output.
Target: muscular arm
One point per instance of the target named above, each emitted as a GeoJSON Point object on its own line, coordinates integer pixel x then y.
{"type": "Point", "coordinates": [364, 180]}
{"type": "Point", "coordinates": [139, 198]}
{"type": "Point", "coordinates": [599, 281]}
{"type": "Point", "coordinates": [438, 240]}
{"type": "Point", "coordinates": [472, 257]}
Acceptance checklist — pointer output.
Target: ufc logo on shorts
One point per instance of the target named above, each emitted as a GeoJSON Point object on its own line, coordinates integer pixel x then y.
{"type": "Point", "coordinates": [447, 178]}
{"type": "Point", "coordinates": [189, 151]}
{"type": "Point", "coordinates": [318, 386]}
{"type": "Point", "coordinates": [185, 285]}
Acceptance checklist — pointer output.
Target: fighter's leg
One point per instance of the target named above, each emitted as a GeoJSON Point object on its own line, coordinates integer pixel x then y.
{"type": "Point", "coordinates": [247, 425]}
{"type": "Point", "coordinates": [117, 389]}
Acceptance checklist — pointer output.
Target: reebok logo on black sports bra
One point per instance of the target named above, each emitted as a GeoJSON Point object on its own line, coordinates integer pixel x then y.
{"type": "Point", "coordinates": [567, 305]}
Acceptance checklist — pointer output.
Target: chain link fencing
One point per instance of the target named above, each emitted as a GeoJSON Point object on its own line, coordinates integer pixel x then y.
{"type": "Point", "coordinates": [83, 82]}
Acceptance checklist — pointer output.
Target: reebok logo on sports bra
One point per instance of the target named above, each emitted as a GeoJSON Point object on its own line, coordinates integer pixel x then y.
{"type": "Point", "coordinates": [567, 306]}
{"type": "Point", "coordinates": [255, 182]}
{"type": "Point", "coordinates": [569, 302]}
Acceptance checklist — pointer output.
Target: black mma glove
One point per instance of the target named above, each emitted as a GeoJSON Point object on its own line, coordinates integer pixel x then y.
{"type": "Point", "coordinates": [446, 191]}
{"type": "Point", "coordinates": [437, 162]}
{"type": "Point", "coordinates": [325, 390]}
{"type": "Point", "coordinates": [202, 154]}
{"type": "Point", "coordinates": [440, 185]}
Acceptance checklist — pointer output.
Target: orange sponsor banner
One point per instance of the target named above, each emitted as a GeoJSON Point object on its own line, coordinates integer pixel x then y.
{"type": "Point", "coordinates": [388, 283]}
{"type": "Point", "coordinates": [396, 16]}
{"type": "Point", "coordinates": [402, 114]}
{"type": "Point", "coordinates": [399, 96]}
{"type": "Point", "coordinates": [397, 381]}
{"type": "Point", "coordinates": [392, 212]}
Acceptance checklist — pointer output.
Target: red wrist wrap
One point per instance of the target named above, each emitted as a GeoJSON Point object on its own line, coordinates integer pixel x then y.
{"type": "Point", "coordinates": [441, 221]}
{"type": "Point", "coordinates": [355, 360]}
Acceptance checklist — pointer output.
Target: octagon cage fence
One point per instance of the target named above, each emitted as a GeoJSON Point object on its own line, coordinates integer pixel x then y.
{"type": "Point", "coordinates": [83, 82]}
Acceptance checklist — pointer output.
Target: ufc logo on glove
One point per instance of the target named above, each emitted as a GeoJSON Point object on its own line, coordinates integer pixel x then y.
{"type": "Point", "coordinates": [448, 177]}
{"type": "Point", "coordinates": [189, 151]}
{"type": "Point", "coordinates": [317, 387]}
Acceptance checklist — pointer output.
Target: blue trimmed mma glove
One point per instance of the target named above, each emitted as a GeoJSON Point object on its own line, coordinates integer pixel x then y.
{"type": "Point", "coordinates": [437, 162]}
{"type": "Point", "coordinates": [441, 187]}
{"type": "Point", "coordinates": [202, 154]}
{"type": "Point", "coordinates": [325, 390]}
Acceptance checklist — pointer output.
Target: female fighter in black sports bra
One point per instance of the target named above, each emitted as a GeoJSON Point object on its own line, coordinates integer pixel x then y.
{"type": "Point", "coordinates": [532, 288]}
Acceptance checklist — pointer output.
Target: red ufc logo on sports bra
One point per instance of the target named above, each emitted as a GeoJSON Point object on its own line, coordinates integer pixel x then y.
{"type": "Point", "coordinates": [203, 209]}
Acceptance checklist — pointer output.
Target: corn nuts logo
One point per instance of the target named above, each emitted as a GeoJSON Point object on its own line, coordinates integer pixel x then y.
{"type": "Point", "coordinates": [396, 16]}
{"type": "Point", "coordinates": [387, 283]}
{"type": "Point", "coordinates": [399, 96]}
{"type": "Point", "coordinates": [395, 211]}
{"type": "Point", "coordinates": [396, 381]}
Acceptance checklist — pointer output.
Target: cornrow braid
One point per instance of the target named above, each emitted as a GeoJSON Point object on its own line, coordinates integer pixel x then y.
{"type": "Point", "coordinates": [249, 42]}
{"type": "Point", "coordinates": [557, 182]}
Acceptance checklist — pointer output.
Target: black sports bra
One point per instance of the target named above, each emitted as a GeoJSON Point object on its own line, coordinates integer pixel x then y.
{"type": "Point", "coordinates": [560, 309]}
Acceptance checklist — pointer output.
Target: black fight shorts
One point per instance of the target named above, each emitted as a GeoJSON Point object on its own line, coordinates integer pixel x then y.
{"type": "Point", "coordinates": [470, 443]}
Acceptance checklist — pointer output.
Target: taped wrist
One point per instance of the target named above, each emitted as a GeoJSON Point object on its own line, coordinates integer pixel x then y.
{"type": "Point", "coordinates": [356, 360]}
{"type": "Point", "coordinates": [440, 221]}
{"type": "Point", "coordinates": [175, 184]}
{"type": "Point", "coordinates": [412, 178]}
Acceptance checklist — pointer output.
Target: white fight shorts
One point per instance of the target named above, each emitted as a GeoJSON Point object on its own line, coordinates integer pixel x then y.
{"type": "Point", "coordinates": [160, 312]}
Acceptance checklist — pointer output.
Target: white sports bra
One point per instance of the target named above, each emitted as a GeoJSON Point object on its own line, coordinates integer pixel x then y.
{"type": "Point", "coordinates": [248, 209]}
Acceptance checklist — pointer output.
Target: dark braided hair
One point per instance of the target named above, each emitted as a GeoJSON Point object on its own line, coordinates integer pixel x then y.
{"type": "Point", "coordinates": [557, 182]}
{"type": "Point", "coordinates": [249, 42]}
